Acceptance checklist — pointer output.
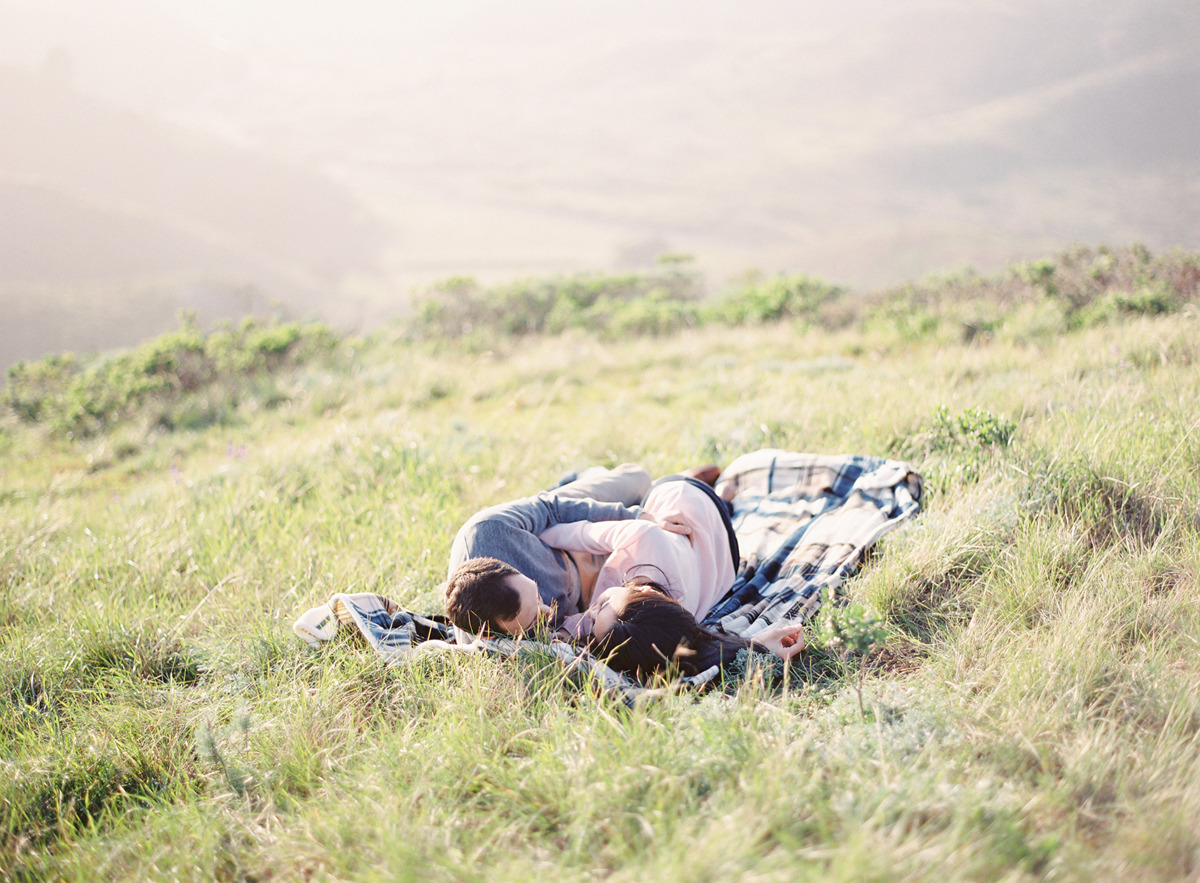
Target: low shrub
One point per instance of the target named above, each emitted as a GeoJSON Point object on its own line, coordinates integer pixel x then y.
{"type": "Point", "coordinates": [653, 303]}
{"type": "Point", "coordinates": [613, 304]}
{"type": "Point", "coordinates": [75, 397]}
{"type": "Point", "coordinates": [971, 429]}
{"type": "Point", "coordinates": [779, 297]}
{"type": "Point", "coordinates": [1078, 287]}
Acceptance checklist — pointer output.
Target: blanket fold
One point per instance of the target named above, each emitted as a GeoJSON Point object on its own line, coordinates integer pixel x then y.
{"type": "Point", "coordinates": [804, 522]}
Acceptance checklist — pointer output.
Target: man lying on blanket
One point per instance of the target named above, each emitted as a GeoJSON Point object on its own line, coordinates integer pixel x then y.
{"type": "Point", "coordinates": [802, 522]}
{"type": "Point", "coordinates": [503, 576]}
{"type": "Point", "coordinates": [690, 568]}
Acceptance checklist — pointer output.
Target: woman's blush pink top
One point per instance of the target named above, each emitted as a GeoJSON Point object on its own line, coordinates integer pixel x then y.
{"type": "Point", "coordinates": [696, 571]}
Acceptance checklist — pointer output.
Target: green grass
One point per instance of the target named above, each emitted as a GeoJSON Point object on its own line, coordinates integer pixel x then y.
{"type": "Point", "coordinates": [1033, 714]}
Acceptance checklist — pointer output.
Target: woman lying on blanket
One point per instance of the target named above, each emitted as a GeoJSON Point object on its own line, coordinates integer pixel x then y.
{"type": "Point", "coordinates": [696, 569]}
{"type": "Point", "coordinates": [641, 631]}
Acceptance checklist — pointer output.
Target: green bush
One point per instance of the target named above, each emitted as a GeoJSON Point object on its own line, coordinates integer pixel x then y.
{"type": "Point", "coordinates": [955, 447]}
{"type": "Point", "coordinates": [76, 398]}
{"type": "Point", "coordinates": [31, 386]}
{"type": "Point", "coordinates": [658, 302]}
{"type": "Point", "coordinates": [655, 313]}
{"type": "Point", "coordinates": [460, 306]}
{"type": "Point", "coordinates": [780, 297]}
{"type": "Point", "coordinates": [1078, 287]}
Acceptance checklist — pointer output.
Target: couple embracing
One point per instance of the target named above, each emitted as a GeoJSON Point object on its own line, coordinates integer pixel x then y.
{"type": "Point", "coordinates": [614, 561]}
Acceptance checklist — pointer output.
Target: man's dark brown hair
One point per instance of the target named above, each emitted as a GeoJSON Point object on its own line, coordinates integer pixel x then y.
{"type": "Point", "coordinates": [478, 595]}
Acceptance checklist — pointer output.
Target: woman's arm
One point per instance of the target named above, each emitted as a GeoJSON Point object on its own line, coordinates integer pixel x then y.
{"type": "Point", "coordinates": [785, 641]}
{"type": "Point", "coordinates": [596, 538]}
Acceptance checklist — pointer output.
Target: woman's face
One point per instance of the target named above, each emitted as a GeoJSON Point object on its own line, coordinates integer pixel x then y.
{"type": "Point", "coordinates": [609, 606]}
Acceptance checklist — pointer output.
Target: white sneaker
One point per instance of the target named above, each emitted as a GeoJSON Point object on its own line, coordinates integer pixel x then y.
{"type": "Point", "coordinates": [316, 625]}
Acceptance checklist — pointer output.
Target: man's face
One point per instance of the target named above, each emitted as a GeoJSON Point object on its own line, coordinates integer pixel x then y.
{"type": "Point", "coordinates": [531, 608]}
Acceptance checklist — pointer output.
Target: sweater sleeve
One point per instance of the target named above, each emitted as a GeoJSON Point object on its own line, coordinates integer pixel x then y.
{"type": "Point", "coordinates": [536, 514]}
{"type": "Point", "coordinates": [597, 538]}
{"type": "Point", "coordinates": [529, 517]}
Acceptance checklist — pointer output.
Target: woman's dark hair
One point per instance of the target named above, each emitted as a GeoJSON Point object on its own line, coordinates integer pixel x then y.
{"type": "Point", "coordinates": [654, 633]}
{"type": "Point", "coordinates": [661, 583]}
{"type": "Point", "coordinates": [645, 582]}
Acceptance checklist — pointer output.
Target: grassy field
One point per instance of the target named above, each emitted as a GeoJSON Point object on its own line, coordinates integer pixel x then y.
{"type": "Point", "coordinates": [1034, 714]}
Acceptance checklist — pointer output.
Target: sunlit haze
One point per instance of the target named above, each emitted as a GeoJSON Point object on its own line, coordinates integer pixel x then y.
{"type": "Point", "coordinates": [328, 158]}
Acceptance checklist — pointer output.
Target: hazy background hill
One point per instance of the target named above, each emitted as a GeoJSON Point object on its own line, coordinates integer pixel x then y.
{"type": "Point", "coordinates": [224, 156]}
{"type": "Point", "coordinates": [113, 221]}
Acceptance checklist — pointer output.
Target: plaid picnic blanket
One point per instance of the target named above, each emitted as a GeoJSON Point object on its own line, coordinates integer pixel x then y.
{"type": "Point", "coordinates": [803, 522]}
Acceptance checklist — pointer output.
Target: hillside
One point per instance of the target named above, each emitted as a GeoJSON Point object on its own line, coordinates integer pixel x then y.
{"type": "Point", "coordinates": [166, 512]}
{"type": "Point", "coordinates": [863, 142]}
{"type": "Point", "coordinates": [99, 204]}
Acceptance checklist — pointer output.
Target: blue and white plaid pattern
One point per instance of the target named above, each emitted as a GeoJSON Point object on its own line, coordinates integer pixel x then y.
{"type": "Point", "coordinates": [804, 522]}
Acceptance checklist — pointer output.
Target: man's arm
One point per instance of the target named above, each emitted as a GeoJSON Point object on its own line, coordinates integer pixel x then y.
{"type": "Point", "coordinates": [538, 513]}
{"type": "Point", "coordinates": [522, 520]}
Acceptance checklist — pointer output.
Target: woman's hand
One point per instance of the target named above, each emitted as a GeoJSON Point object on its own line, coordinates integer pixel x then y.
{"type": "Point", "coordinates": [671, 522]}
{"type": "Point", "coordinates": [785, 641]}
